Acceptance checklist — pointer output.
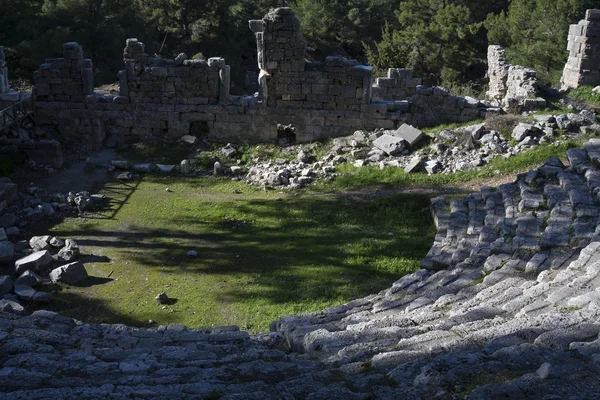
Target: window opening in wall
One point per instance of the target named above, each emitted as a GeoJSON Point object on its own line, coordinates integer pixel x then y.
{"type": "Point", "coordinates": [286, 134]}
{"type": "Point", "coordinates": [199, 129]}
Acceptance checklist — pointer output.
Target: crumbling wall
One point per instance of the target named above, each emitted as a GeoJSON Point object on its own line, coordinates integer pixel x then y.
{"type": "Point", "coordinates": [287, 80]}
{"type": "Point", "coordinates": [162, 98]}
{"type": "Point", "coordinates": [157, 80]}
{"type": "Point", "coordinates": [511, 86]}
{"type": "Point", "coordinates": [398, 85]}
{"type": "Point", "coordinates": [583, 64]}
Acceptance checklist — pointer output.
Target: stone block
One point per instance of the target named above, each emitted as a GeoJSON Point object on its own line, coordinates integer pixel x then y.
{"type": "Point", "coordinates": [409, 133]}
{"type": "Point", "coordinates": [390, 144]}
{"type": "Point", "coordinates": [71, 274]}
{"type": "Point", "coordinates": [34, 261]}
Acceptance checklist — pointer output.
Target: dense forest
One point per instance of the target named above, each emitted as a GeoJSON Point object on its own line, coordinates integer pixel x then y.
{"type": "Point", "coordinates": [445, 41]}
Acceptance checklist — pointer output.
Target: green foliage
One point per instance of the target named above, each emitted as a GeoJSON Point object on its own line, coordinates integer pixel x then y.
{"type": "Point", "coordinates": [434, 37]}
{"type": "Point", "coordinates": [586, 94]}
{"type": "Point", "coordinates": [535, 33]}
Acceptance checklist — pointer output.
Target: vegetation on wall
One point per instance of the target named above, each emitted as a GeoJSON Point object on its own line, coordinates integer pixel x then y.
{"type": "Point", "coordinates": [445, 42]}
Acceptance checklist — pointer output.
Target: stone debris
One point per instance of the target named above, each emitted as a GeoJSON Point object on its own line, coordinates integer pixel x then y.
{"type": "Point", "coordinates": [162, 298]}
{"type": "Point", "coordinates": [71, 273]}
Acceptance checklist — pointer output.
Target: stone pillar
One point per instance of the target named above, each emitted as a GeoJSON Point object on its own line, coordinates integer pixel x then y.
{"type": "Point", "coordinates": [4, 87]}
{"type": "Point", "coordinates": [224, 78]}
{"type": "Point", "coordinates": [583, 65]}
{"type": "Point", "coordinates": [497, 74]}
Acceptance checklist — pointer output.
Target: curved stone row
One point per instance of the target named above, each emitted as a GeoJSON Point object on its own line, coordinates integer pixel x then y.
{"type": "Point", "coordinates": [513, 269]}
{"type": "Point", "coordinates": [505, 306]}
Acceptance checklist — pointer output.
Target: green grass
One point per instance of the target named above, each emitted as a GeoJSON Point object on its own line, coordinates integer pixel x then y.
{"type": "Point", "coordinates": [586, 94]}
{"type": "Point", "coordinates": [356, 178]}
{"type": "Point", "coordinates": [262, 255]}
{"type": "Point", "coordinates": [451, 126]}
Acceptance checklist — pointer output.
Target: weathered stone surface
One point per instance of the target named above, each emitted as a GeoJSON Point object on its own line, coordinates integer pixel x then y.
{"type": "Point", "coordinates": [71, 274]}
{"type": "Point", "coordinates": [6, 284]}
{"type": "Point", "coordinates": [34, 261]}
{"type": "Point", "coordinates": [28, 278]}
{"type": "Point", "coordinates": [409, 133]}
{"type": "Point", "coordinates": [7, 251]}
{"type": "Point", "coordinates": [390, 144]}
{"type": "Point", "coordinates": [24, 292]}
{"type": "Point", "coordinates": [39, 243]}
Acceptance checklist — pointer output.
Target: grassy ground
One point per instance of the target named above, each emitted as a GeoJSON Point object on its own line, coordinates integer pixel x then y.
{"type": "Point", "coordinates": [262, 255]}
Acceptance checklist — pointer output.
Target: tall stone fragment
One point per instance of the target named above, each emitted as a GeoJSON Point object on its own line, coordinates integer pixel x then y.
{"type": "Point", "coordinates": [4, 87]}
{"type": "Point", "coordinates": [583, 64]}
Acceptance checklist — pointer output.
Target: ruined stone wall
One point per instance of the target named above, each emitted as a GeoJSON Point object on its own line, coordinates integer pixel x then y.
{"type": "Point", "coordinates": [162, 98]}
{"type": "Point", "coordinates": [583, 65]}
{"type": "Point", "coordinates": [511, 86]}
{"type": "Point", "coordinates": [157, 80]}
{"type": "Point", "coordinates": [398, 85]}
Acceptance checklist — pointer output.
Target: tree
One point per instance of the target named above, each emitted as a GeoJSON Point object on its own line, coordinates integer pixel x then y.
{"type": "Point", "coordinates": [534, 33]}
{"type": "Point", "coordinates": [434, 37]}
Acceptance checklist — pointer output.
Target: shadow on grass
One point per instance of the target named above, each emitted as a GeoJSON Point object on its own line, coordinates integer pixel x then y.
{"type": "Point", "coordinates": [300, 249]}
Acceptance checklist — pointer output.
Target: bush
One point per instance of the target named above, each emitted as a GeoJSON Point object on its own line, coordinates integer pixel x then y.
{"type": "Point", "coordinates": [503, 124]}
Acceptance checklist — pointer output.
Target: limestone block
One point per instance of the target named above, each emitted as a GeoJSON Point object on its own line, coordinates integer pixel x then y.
{"type": "Point", "coordinates": [33, 261]}
{"type": "Point", "coordinates": [71, 274]}
{"type": "Point", "coordinates": [409, 133]}
{"type": "Point", "coordinates": [390, 144]}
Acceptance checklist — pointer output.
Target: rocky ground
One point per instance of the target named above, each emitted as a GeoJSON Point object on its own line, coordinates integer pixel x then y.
{"type": "Point", "coordinates": [506, 306]}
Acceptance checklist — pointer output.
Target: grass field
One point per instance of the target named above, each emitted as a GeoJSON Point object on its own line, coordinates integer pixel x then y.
{"type": "Point", "coordinates": [262, 255]}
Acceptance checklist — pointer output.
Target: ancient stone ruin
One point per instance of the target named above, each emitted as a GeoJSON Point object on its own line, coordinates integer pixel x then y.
{"type": "Point", "coordinates": [583, 65]}
{"type": "Point", "coordinates": [171, 98]}
{"type": "Point", "coordinates": [511, 86]}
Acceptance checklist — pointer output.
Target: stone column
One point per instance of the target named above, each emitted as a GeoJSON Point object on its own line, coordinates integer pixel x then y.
{"type": "Point", "coordinates": [497, 74]}
{"type": "Point", "coordinates": [583, 65]}
{"type": "Point", "coordinates": [4, 87]}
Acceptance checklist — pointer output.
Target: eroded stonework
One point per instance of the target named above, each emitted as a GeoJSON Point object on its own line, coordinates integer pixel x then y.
{"type": "Point", "coordinates": [583, 65]}
{"type": "Point", "coordinates": [171, 98]}
{"type": "Point", "coordinates": [511, 86]}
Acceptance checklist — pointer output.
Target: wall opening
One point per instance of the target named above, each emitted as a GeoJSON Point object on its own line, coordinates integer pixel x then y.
{"type": "Point", "coordinates": [199, 129]}
{"type": "Point", "coordinates": [286, 134]}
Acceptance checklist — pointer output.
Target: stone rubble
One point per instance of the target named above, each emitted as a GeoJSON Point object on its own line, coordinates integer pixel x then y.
{"type": "Point", "coordinates": [505, 306]}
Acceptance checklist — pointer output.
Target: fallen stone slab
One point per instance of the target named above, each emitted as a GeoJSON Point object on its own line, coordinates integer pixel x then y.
{"type": "Point", "coordinates": [409, 133]}
{"type": "Point", "coordinates": [33, 261]}
{"type": "Point", "coordinates": [71, 274]}
{"type": "Point", "coordinates": [121, 164]}
{"type": "Point", "coordinates": [125, 176]}
{"type": "Point", "coordinates": [39, 243]}
{"type": "Point", "coordinates": [147, 167]}
{"type": "Point", "coordinates": [524, 130]}
{"type": "Point", "coordinates": [42, 298]}
{"type": "Point", "coordinates": [6, 284]}
{"type": "Point", "coordinates": [390, 144]}
{"type": "Point", "coordinates": [188, 139]}
{"type": "Point", "coordinates": [28, 278]}
{"type": "Point", "coordinates": [12, 307]}
{"type": "Point", "coordinates": [24, 292]}
{"type": "Point", "coordinates": [414, 165]}
{"type": "Point", "coordinates": [7, 251]}
{"type": "Point", "coordinates": [167, 169]}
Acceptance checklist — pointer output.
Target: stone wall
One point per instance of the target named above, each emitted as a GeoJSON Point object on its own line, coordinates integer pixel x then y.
{"type": "Point", "coordinates": [511, 86]}
{"type": "Point", "coordinates": [162, 98]}
{"type": "Point", "coordinates": [583, 65]}
{"type": "Point", "coordinates": [398, 85]}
